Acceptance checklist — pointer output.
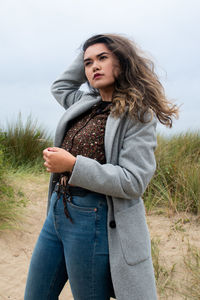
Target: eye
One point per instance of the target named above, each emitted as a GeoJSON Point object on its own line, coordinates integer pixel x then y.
{"type": "Point", "coordinates": [87, 63]}
{"type": "Point", "coordinates": [103, 57]}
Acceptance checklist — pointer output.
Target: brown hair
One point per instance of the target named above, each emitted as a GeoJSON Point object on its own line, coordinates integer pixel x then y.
{"type": "Point", "coordinates": [137, 86]}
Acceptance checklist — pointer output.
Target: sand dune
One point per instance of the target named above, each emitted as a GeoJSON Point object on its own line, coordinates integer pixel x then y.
{"type": "Point", "coordinates": [17, 245]}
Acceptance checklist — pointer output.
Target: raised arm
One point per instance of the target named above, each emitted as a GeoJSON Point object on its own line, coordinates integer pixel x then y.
{"type": "Point", "coordinates": [66, 88]}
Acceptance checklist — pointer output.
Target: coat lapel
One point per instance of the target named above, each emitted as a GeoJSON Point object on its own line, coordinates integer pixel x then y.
{"type": "Point", "coordinates": [72, 112]}
{"type": "Point", "coordinates": [112, 125]}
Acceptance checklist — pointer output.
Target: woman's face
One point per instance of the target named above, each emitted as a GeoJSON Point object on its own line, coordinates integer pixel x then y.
{"type": "Point", "coordinates": [101, 66]}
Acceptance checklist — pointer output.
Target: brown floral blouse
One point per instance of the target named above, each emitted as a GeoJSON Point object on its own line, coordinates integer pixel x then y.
{"type": "Point", "coordinates": [85, 137]}
{"type": "Point", "coordinates": [86, 134]}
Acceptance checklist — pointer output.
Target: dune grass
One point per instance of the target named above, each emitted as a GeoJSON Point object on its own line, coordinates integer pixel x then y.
{"type": "Point", "coordinates": [12, 203]}
{"type": "Point", "coordinates": [163, 274]}
{"type": "Point", "coordinates": [175, 184]}
{"type": "Point", "coordinates": [169, 285]}
{"type": "Point", "coordinates": [191, 288]}
{"type": "Point", "coordinates": [11, 199]}
{"type": "Point", "coordinates": [24, 143]}
{"type": "Point", "coordinates": [21, 146]}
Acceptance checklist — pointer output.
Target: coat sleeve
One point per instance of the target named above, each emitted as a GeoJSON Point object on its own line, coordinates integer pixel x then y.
{"type": "Point", "coordinates": [66, 88]}
{"type": "Point", "coordinates": [130, 177]}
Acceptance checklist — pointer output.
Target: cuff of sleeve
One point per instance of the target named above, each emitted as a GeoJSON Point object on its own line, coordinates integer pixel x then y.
{"type": "Point", "coordinates": [85, 174]}
{"type": "Point", "coordinates": [75, 174]}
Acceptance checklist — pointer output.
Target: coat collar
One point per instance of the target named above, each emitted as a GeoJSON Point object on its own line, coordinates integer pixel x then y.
{"type": "Point", "coordinates": [72, 112]}
{"type": "Point", "coordinates": [111, 129]}
{"type": "Point", "coordinates": [112, 126]}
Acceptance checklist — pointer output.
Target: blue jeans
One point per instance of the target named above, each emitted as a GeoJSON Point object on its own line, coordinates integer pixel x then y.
{"type": "Point", "coordinates": [76, 251]}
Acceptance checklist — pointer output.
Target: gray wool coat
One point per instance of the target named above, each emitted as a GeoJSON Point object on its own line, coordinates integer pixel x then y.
{"type": "Point", "coordinates": [130, 164]}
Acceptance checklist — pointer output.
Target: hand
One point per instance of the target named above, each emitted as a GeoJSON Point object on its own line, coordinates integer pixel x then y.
{"type": "Point", "coordinates": [58, 160]}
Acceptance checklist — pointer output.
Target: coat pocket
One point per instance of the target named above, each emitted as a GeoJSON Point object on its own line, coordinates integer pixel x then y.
{"type": "Point", "coordinates": [133, 234]}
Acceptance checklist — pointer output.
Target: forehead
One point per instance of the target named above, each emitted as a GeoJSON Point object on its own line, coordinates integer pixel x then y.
{"type": "Point", "coordinates": [95, 49]}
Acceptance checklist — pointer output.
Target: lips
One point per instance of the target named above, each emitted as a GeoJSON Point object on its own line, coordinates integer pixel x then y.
{"type": "Point", "coordinates": [97, 75]}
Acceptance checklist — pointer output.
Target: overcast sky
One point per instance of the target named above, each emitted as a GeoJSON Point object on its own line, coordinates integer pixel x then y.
{"type": "Point", "coordinates": [39, 39]}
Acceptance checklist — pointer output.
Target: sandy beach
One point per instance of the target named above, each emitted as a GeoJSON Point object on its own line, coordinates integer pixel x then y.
{"type": "Point", "coordinates": [174, 232]}
{"type": "Point", "coordinates": [17, 245]}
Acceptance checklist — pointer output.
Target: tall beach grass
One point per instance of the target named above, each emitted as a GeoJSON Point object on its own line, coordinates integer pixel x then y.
{"type": "Point", "coordinates": [24, 143]}
{"type": "Point", "coordinates": [9, 203]}
{"type": "Point", "coordinates": [21, 146]}
{"type": "Point", "coordinates": [164, 275]}
{"type": "Point", "coordinates": [191, 288]}
{"type": "Point", "coordinates": [176, 183]}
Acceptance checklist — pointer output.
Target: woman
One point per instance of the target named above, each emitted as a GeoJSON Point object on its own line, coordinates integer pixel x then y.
{"type": "Point", "coordinates": [95, 233]}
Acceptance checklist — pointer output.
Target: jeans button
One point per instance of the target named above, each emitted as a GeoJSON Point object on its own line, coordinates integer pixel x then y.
{"type": "Point", "coordinates": [112, 224]}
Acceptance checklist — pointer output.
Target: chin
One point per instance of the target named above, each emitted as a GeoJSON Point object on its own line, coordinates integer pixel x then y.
{"type": "Point", "coordinates": [99, 85]}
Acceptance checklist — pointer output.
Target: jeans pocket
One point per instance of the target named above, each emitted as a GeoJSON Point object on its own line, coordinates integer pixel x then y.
{"type": "Point", "coordinates": [82, 204]}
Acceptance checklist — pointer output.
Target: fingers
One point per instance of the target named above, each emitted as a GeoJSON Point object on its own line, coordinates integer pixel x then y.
{"type": "Point", "coordinates": [46, 153]}
{"type": "Point", "coordinates": [48, 166]}
{"type": "Point", "coordinates": [53, 149]}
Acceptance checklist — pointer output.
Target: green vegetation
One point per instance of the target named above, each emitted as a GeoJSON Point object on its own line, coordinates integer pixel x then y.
{"type": "Point", "coordinates": [11, 203]}
{"type": "Point", "coordinates": [191, 288]}
{"type": "Point", "coordinates": [24, 143]}
{"type": "Point", "coordinates": [163, 275]}
{"type": "Point", "coordinates": [175, 184]}
{"type": "Point", "coordinates": [169, 285]}
{"type": "Point", "coordinates": [10, 200]}
{"type": "Point", "coordinates": [21, 147]}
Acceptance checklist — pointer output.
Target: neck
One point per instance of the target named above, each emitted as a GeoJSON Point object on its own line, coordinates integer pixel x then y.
{"type": "Point", "coordinates": [106, 93]}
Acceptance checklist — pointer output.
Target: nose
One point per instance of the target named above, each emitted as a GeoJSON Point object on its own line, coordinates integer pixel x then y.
{"type": "Point", "coordinates": [95, 66]}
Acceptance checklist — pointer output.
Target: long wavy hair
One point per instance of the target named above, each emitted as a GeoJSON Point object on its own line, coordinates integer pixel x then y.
{"type": "Point", "coordinates": [137, 86]}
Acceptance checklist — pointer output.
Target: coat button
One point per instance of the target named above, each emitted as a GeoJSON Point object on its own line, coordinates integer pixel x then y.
{"type": "Point", "coordinates": [112, 224]}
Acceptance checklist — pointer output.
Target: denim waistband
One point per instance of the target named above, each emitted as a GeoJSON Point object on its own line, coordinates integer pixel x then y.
{"type": "Point", "coordinates": [74, 190]}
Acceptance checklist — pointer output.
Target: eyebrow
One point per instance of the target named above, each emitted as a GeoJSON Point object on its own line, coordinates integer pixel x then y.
{"type": "Point", "coordinates": [98, 55]}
